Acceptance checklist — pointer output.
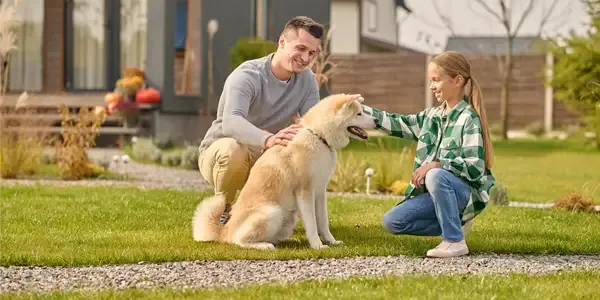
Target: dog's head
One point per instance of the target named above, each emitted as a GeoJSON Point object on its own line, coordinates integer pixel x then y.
{"type": "Point", "coordinates": [340, 117]}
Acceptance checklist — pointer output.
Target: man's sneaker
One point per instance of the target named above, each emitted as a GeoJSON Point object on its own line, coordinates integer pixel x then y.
{"type": "Point", "coordinates": [467, 227]}
{"type": "Point", "coordinates": [448, 249]}
{"type": "Point", "coordinates": [226, 215]}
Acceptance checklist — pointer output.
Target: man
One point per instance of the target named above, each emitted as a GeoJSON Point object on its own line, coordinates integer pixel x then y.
{"type": "Point", "coordinates": [260, 98]}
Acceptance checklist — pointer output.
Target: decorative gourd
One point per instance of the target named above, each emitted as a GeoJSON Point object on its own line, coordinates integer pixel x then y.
{"type": "Point", "coordinates": [112, 97]}
{"type": "Point", "coordinates": [149, 95]}
{"type": "Point", "coordinates": [129, 85]}
{"type": "Point", "coordinates": [133, 72]}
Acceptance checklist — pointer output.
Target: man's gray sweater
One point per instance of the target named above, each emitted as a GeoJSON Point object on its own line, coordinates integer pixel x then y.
{"type": "Point", "coordinates": [254, 100]}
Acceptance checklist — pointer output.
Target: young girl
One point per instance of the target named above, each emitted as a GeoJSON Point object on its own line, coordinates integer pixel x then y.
{"type": "Point", "coordinates": [451, 176]}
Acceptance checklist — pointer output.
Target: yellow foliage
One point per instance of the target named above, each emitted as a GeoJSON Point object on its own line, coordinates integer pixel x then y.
{"type": "Point", "coordinates": [398, 187]}
{"type": "Point", "coordinates": [77, 135]}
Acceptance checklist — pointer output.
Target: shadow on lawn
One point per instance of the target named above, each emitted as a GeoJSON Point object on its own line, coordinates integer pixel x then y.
{"type": "Point", "coordinates": [364, 240]}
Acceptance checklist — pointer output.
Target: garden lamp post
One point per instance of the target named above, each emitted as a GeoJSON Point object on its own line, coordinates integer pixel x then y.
{"type": "Point", "coordinates": [369, 172]}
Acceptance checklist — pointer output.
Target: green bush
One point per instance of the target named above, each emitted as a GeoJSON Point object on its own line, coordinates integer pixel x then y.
{"type": "Point", "coordinates": [576, 73]}
{"type": "Point", "coordinates": [248, 49]}
{"type": "Point", "coordinates": [171, 159]}
{"type": "Point", "coordinates": [349, 174]}
{"type": "Point", "coordinates": [189, 157]}
{"type": "Point", "coordinates": [535, 129]}
{"type": "Point", "coordinates": [146, 150]}
{"type": "Point", "coordinates": [499, 195]}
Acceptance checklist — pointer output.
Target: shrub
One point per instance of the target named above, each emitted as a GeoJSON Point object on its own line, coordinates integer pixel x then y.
{"type": "Point", "coordinates": [248, 49]}
{"type": "Point", "coordinates": [399, 187]}
{"type": "Point", "coordinates": [536, 129]}
{"type": "Point", "coordinates": [21, 147]}
{"type": "Point", "coordinates": [189, 157]}
{"type": "Point", "coordinates": [77, 134]}
{"type": "Point", "coordinates": [391, 166]}
{"type": "Point", "coordinates": [349, 174]}
{"type": "Point", "coordinates": [391, 170]}
{"type": "Point", "coordinates": [47, 159]}
{"type": "Point", "coordinates": [575, 202]}
{"type": "Point", "coordinates": [576, 75]}
{"type": "Point", "coordinates": [144, 150]}
{"type": "Point", "coordinates": [171, 159]}
{"type": "Point", "coordinates": [499, 195]}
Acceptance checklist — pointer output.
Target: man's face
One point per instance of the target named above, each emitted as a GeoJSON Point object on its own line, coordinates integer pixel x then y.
{"type": "Point", "coordinates": [298, 48]}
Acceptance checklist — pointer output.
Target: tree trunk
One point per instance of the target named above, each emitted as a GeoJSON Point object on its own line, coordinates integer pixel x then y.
{"type": "Point", "coordinates": [505, 88]}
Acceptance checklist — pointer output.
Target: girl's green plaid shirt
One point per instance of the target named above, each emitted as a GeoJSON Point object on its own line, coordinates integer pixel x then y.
{"type": "Point", "coordinates": [455, 140]}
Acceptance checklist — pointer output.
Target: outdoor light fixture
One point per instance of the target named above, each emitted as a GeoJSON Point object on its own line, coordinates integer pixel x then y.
{"type": "Point", "coordinates": [369, 172]}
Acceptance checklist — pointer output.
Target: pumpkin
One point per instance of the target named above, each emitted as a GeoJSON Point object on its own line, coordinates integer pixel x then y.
{"type": "Point", "coordinates": [112, 97]}
{"type": "Point", "coordinates": [149, 95]}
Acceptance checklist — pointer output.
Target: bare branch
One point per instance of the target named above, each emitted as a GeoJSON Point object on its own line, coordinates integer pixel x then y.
{"type": "Point", "coordinates": [470, 6]}
{"type": "Point", "coordinates": [444, 18]}
{"type": "Point", "coordinates": [546, 16]}
{"type": "Point", "coordinates": [523, 17]}
{"type": "Point", "coordinates": [490, 10]}
{"type": "Point", "coordinates": [559, 19]}
{"type": "Point", "coordinates": [506, 14]}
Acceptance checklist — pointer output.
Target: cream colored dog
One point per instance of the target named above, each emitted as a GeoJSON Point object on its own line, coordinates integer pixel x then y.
{"type": "Point", "coordinates": [287, 180]}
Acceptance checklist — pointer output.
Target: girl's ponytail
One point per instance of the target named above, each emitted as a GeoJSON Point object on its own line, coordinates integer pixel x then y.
{"type": "Point", "coordinates": [476, 101]}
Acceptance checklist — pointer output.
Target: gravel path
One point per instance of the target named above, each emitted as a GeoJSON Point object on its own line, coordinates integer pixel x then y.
{"type": "Point", "coordinates": [203, 274]}
{"type": "Point", "coordinates": [140, 175]}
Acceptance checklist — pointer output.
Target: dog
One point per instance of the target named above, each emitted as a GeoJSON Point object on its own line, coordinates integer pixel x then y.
{"type": "Point", "coordinates": [287, 180]}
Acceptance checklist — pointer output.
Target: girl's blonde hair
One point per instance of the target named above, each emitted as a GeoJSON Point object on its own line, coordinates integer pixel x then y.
{"type": "Point", "coordinates": [455, 63]}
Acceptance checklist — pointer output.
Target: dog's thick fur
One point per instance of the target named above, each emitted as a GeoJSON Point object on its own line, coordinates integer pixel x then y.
{"type": "Point", "coordinates": [286, 180]}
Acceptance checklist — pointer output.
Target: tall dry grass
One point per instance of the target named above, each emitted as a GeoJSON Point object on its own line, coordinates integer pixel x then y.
{"type": "Point", "coordinates": [392, 170]}
{"type": "Point", "coordinates": [323, 66]}
{"type": "Point", "coordinates": [20, 146]}
{"type": "Point", "coordinates": [77, 134]}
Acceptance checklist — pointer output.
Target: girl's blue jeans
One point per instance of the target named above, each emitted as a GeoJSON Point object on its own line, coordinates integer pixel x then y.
{"type": "Point", "coordinates": [433, 213]}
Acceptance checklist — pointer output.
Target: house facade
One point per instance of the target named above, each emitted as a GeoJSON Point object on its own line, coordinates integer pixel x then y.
{"type": "Point", "coordinates": [77, 49]}
{"type": "Point", "coordinates": [368, 26]}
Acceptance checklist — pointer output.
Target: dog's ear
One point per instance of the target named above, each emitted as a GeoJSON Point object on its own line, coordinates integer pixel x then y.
{"type": "Point", "coordinates": [357, 97]}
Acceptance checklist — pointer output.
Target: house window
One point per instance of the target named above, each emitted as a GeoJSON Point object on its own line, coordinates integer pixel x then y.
{"type": "Point", "coordinates": [181, 12]}
{"type": "Point", "coordinates": [134, 17]}
{"type": "Point", "coordinates": [25, 65]}
{"type": "Point", "coordinates": [372, 15]}
{"type": "Point", "coordinates": [88, 43]}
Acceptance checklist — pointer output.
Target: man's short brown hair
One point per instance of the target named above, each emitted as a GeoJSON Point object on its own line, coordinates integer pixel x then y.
{"type": "Point", "coordinates": [302, 22]}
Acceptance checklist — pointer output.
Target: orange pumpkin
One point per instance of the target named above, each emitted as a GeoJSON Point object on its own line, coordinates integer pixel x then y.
{"type": "Point", "coordinates": [149, 95]}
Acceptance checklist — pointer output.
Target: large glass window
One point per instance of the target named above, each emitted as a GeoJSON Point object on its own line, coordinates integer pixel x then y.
{"type": "Point", "coordinates": [88, 45]}
{"type": "Point", "coordinates": [25, 66]}
{"type": "Point", "coordinates": [134, 16]}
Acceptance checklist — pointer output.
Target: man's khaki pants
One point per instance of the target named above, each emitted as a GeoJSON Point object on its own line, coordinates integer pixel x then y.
{"type": "Point", "coordinates": [226, 164]}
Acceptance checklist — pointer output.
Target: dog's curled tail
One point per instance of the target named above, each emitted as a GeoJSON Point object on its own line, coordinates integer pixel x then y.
{"type": "Point", "coordinates": [206, 225]}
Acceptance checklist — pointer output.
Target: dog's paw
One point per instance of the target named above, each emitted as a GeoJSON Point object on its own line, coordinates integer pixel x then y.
{"type": "Point", "coordinates": [319, 247]}
{"type": "Point", "coordinates": [262, 246]}
{"type": "Point", "coordinates": [335, 242]}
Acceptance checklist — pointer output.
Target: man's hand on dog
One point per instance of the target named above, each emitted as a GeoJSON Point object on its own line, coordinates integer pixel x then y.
{"type": "Point", "coordinates": [283, 137]}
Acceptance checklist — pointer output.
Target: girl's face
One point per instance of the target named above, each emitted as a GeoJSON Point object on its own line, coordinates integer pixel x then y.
{"type": "Point", "coordinates": [443, 86]}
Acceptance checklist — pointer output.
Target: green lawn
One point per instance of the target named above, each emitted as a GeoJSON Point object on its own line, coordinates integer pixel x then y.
{"type": "Point", "coordinates": [44, 225]}
{"type": "Point", "coordinates": [565, 285]}
{"type": "Point", "coordinates": [539, 171]}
